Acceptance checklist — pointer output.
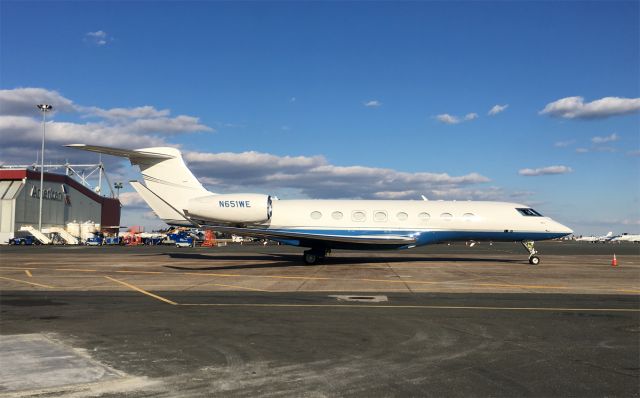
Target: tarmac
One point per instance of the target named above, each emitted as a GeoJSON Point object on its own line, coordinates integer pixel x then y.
{"type": "Point", "coordinates": [442, 320]}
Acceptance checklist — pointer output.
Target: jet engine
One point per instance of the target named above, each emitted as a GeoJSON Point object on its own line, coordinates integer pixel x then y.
{"type": "Point", "coordinates": [232, 208]}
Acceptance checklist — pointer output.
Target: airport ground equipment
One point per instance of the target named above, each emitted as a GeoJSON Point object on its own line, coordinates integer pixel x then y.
{"type": "Point", "coordinates": [42, 238]}
{"type": "Point", "coordinates": [24, 240]}
{"type": "Point", "coordinates": [66, 236]}
{"type": "Point", "coordinates": [176, 196]}
{"type": "Point", "coordinates": [112, 240]}
{"type": "Point", "coordinates": [209, 238]}
{"type": "Point", "coordinates": [181, 239]}
{"type": "Point", "coordinates": [95, 240]}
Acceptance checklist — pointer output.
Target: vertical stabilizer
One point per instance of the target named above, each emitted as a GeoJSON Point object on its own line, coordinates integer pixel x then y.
{"type": "Point", "coordinates": [165, 174]}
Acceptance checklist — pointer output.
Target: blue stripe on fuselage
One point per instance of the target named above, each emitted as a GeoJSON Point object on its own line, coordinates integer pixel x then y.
{"type": "Point", "coordinates": [425, 237]}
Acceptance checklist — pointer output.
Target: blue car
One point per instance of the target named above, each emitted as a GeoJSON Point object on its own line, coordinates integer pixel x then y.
{"type": "Point", "coordinates": [24, 240]}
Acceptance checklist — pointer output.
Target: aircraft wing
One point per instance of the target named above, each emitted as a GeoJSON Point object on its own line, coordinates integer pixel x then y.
{"type": "Point", "coordinates": [379, 239]}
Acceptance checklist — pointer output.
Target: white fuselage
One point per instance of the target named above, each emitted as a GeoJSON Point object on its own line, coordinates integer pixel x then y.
{"type": "Point", "coordinates": [427, 221]}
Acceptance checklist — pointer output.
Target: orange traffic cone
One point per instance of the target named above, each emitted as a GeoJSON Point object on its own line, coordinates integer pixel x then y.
{"type": "Point", "coordinates": [614, 262]}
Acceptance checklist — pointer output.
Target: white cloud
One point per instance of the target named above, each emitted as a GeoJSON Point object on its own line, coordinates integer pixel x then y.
{"type": "Point", "coordinates": [314, 177]}
{"type": "Point", "coordinates": [21, 126]}
{"type": "Point", "coordinates": [132, 199]}
{"type": "Point", "coordinates": [609, 138]}
{"type": "Point", "coordinates": [575, 108]}
{"type": "Point", "coordinates": [564, 144]}
{"type": "Point", "coordinates": [146, 111]}
{"type": "Point", "coordinates": [582, 150]}
{"type": "Point", "coordinates": [373, 104]}
{"type": "Point", "coordinates": [470, 116]}
{"type": "Point", "coordinates": [451, 119]}
{"type": "Point", "coordinates": [497, 109]}
{"type": "Point", "coordinates": [98, 38]}
{"type": "Point", "coordinates": [23, 101]}
{"type": "Point", "coordinates": [550, 170]}
{"type": "Point", "coordinates": [448, 119]}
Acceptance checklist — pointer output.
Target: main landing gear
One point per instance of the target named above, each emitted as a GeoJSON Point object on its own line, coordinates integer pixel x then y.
{"type": "Point", "coordinates": [313, 256]}
{"type": "Point", "coordinates": [533, 253]}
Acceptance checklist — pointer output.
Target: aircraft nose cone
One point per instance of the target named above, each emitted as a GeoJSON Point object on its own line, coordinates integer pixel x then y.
{"type": "Point", "coordinates": [564, 229]}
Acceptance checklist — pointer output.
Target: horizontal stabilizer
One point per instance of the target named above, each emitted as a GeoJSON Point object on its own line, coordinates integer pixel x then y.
{"type": "Point", "coordinates": [124, 153]}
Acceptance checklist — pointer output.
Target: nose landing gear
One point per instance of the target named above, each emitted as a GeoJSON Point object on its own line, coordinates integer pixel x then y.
{"type": "Point", "coordinates": [533, 253]}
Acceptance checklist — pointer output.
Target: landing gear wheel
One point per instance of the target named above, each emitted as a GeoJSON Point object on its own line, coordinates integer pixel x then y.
{"type": "Point", "coordinates": [310, 258]}
{"type": "Point", "coordinates": [533, 253]}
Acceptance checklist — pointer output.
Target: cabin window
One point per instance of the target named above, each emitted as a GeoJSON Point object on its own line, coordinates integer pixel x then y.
{"type": "Point", "coordinates": [402, 216]}
{"type": "Point", "coordinates": [358, 216]}
{"type": "Point", "coordinates": [468, 216]}
{"type": "Point", "coordinates": [424, 217]}
{"type": "Point", "coordinates": [529, 212]}
{"type": "Point", "coordinates": [446, 216]}
{"type": "Point", "coordinates": [337, 215]}
{"type": "Point", "coordinates": [316, 215]}
{"type": "Point", "coordinates": [380, 216]}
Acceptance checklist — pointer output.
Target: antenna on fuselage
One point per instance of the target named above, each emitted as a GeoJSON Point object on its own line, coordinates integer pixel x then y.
{"type": "Point", "coordinates": [424, 198]}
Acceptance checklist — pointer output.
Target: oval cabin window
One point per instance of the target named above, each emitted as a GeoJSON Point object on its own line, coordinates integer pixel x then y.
{"type": "Point", "coordinates": [402, 216]}
{"type": "Point", "coordinates": [380, 216]}
{"type": "Point", "coordinates": [468, 216]}
{"type": "Point", "coordinates": [446, 216]}
{"type": "Point", "coordinates": [424, 217]}
{"type": "Point", "coordinates": [337, 215]}
{"type": "Point", "coordinates": [316, 215]}
{"type": "Point", "coordinates": [358, 216]}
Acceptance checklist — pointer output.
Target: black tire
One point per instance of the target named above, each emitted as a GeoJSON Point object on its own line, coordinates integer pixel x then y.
{"type": "Point", "coordinates": [310, 258]}
{"type": "Point", "coordinates": [534, 260]}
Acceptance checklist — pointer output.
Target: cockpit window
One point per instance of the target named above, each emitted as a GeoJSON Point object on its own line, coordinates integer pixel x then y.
{"type": "Point", "coordinates": [529, 212]}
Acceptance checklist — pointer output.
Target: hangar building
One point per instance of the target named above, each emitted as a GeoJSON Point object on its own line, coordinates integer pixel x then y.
{"type": "Point", "coordinates": [64, 201]}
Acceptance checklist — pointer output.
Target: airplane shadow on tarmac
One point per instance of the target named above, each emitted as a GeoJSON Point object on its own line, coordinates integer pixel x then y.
{"type": "Point", "coordinates": [289, 260]}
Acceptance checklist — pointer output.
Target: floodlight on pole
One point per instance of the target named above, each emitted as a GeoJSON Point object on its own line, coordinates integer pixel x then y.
{"type": "Point", "coordinates": [118, 186]}
{"type": "Point", "coordinates": [44, 108]}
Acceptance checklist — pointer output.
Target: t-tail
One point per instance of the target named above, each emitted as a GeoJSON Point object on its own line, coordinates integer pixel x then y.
{"type": "Point", "coordinates": [168, 184]}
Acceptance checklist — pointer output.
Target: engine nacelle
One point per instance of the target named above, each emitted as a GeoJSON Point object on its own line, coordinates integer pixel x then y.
{"type": "Point", "coordinates": [232, 208]}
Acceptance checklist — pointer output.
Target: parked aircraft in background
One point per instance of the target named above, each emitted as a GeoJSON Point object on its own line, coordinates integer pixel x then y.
{"type": "Point", "coordinates": [626, 238]}
{"type": "Point", "coordinates": [177, 197]}
{"type": "Point", "coordinates": [603, 238]}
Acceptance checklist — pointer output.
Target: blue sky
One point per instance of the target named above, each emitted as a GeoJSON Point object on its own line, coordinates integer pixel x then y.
{"type": "Point", "coordinates": [347, 84]}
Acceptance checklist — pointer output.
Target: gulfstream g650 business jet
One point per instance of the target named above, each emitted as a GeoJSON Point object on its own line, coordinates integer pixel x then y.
{"type": "Point", "coordinates": [178, 198]}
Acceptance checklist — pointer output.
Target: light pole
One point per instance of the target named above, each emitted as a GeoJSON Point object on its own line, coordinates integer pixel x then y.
{"type": "Point", "coordinates": [118, 186]}
{"type": "Point", "coordinates": [44, 108]}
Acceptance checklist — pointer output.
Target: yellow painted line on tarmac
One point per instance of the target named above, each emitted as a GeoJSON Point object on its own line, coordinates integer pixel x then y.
{"type": "Point", "coordinates": [77, 269]}
{"type": "Point", "coordinates": [451, 284]}
{"type": "Point", "coordinates": [629, 291]}
{"type": "Point", "coordinates": [155, 296]}
{"type": "Point", "coordinates": [26, 271]}
{"type": "Point", "coordinates": [234, 287]}
{"type": "Point", "coordinates": [140, 272]}
{"type": "Point", "coordinates": [430, 307]}
{"type": "Point", "coordinates": [27, 282]}
{"type": "Point", "coordinates": [522, 286]}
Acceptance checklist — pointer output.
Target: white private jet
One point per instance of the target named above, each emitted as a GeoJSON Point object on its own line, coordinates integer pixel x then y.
{"type": "Point", "coordinates": [626, 238]}
{"type": "Point", "coordinates": [593, 239]}
{"type": "Point", "coordinates": [178, 198]}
